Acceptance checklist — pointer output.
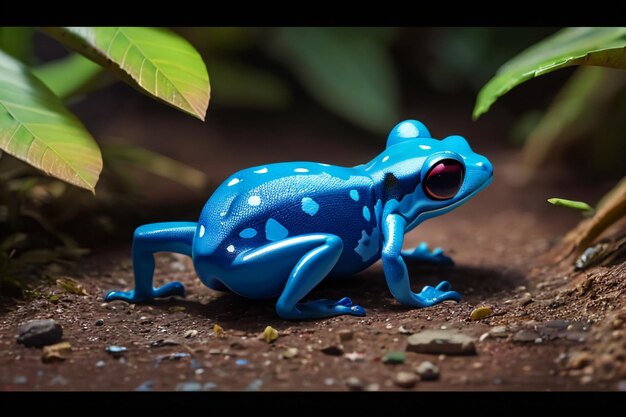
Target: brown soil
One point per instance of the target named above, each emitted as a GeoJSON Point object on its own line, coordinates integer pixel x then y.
{"type": "Point", "coordinates": [497, 241]}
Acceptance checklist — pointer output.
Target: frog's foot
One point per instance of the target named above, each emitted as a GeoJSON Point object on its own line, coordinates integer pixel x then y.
{"type": "Point", "coordinates": [324, 308]}
{"type": "Point", "coordinates": [431, 296]}
{"type": "Point", "coordinates": [422, 254]}
{"type": "Point", "coordinates": [171, 289]}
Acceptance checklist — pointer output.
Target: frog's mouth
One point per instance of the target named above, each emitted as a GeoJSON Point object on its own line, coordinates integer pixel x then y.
{"type": "Point", "coordinates": [442, 210]}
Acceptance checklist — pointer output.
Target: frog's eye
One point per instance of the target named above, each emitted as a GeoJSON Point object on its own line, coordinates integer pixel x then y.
{"type": "Point", "coordinates": [444, 179]}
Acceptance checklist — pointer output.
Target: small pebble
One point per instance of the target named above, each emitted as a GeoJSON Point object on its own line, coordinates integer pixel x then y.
{"type": "Point", "coordinates": [100, 364]}
{"type": "Point", "coordinates": [372, 387]}
{"type": "Point", "coordinates": [190, 333]}
{"type": "Point", "coordinates": [344, 335]}
{"type": "Point", "coordinates": [354, 384]}
{"type": "Point", "coordinates": [355, 356]}
{"type": "Point", "coordinates": [209, 386]}
{"type": "Point", "coordinates": [188, 386]}
{"type": "Point", "coordinates": [332, 350]}
{"type": "Point", "coordinates": [404, 330]}
{"type": "Point", "coordinates": [329, 381]}
{"type": "Point", "coordinates": [480, 313]}
{"type": "Point", "coordinates": [270, 334]}
{"type": "Point", "coordinates": [526, 299]}
{"type": "Point", "coordinates": [621, 385]}
{"type": "Point", "coordinates": [164, 342]}
{"type": "Point", "coordinates": [427, 371]}
{"type": "Point", "coordinates": [116, 351]}
{"type": "Point", "coordinates": [394, 357]}
{"type": "Point", "coordinates": [289, 353]}
{"type": "Point", "coordinates": [145, 386]}
{"type": "Point", "coordinates": [255, 385]}
{"type": "Point", "coordinates": [483, 337]}
{"type": "Point", "coordinates": [56, 353]}
{"type": "Point", "coordinates": [39, 333]}
{"type": "Point", "coordinates": [20, 379]}
{"type": "Point", "coordinates": [99, 322]}
{"type": "Point", "coordinates": [219, 331]}
{"type": "Point", "coordinates": [405, 379]}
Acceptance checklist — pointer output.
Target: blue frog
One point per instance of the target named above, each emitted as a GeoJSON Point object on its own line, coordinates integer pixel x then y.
{"type": "Point", "coordinates": [278, 230]}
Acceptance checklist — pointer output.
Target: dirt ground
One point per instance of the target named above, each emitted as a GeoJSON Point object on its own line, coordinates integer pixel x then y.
{"type": "Point", "coordinates": [563, 328]}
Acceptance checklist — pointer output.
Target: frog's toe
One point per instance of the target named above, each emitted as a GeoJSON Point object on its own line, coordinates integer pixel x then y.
{"type": "Point", "coordinates": [345, 301]}
{"type": "Point", "coordinates": [128, 296]}
{"type": "Point", "coordinates": [171, 289]}
{"type": "Point", "coordinates": [431, 296]}
{"type": "Point", "coordinates": [352, 310]}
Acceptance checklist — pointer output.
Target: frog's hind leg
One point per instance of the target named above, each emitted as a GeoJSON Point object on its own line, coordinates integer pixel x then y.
{"type": "Point", "coordinates": [314, 256]}
{"type": "Point", "coordinates": [148, 240]}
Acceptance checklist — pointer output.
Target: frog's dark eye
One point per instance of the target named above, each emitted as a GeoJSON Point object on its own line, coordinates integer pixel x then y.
{"type": "Point", "coordinates": [444, 179]}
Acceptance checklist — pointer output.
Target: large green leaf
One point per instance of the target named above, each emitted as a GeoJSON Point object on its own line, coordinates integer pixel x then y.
{"type": "Point", "coordinates": [347, 70]}
{"type": "Point", "coordinates": [35, 127]}
{"type": "Point", "coordinates": [157, 61]}
{"type": "Point", "coordinates": [604, 46]}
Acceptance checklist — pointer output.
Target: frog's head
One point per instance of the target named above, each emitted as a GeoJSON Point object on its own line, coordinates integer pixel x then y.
{"type": "Point", "coordinates": [430, 176]}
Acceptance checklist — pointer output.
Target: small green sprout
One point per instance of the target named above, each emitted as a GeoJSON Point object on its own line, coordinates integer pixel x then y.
{"type": "Point", "coordinates": [577, 205]}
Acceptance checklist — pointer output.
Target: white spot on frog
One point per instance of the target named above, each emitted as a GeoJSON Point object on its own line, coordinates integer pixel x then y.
{"type": "Point", "coordinates": [254, 200]}
{"type": "Point", "coordinates": [223, 213]}
{"type": "Point", "coordinates": [261, 171]}
{"type": "Point", "coordinates": [230, 248]}
{"type": "Point", "coordinates": [324, 165]}
{"type": "Point", "coordinates": [310, 206]}
{"type": "Point", "coordinates": [201, 233]}
{"type": "Point", "coordinates": [479, 164]}
{"type": "Point", "coordinates": [425, 147]}
{"type": "Point", "coordinates": [233, 182]}
{"type": "Point", "coordinates": [369, 245]}
{"type": "Point", "coordinates": [386, 158]}
{"type": "Point", "coordinates": [300, 170]}
{"type": "Point", "coordinates": [354, 194]}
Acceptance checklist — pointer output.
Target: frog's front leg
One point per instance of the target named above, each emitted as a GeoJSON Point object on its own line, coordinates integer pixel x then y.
{"type": "Point", "coordinates": [396, 272]}
{"type": "Point", "coordinates": [422, 254]}
{"type": "Point", "coordinates": [148, 240]}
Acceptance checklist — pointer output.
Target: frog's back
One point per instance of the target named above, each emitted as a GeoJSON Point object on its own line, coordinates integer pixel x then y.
{"type": "Point", "coordinates": [264, 204]}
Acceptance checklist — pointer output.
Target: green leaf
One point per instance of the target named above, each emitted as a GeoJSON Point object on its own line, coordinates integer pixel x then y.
{"type": "Point", "coordinates": [36, 128]}
{"type": "Point", "coordinates": [576, 205]}
{"type": "Point", "coordinates": [157, 61]}
{"type": "Point", "coordinates": [603, 46]}
{"type": "Point", "coordinates": [67, 76]}
{"type": "Point", "coordinates": [347, 70]}
{"type": "Point", "coordinates": [17, 42]}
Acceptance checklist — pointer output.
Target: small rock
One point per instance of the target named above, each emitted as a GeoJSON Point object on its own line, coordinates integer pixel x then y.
{"type": "Point", "coordinates": [56, 353]}
{"type": "Point", "coordinates": [100, 364]}
{"type": "Point", "coordinates": [404, 330]}
{"type": "Point", "coordinates": [99, 322]}
{"type": "Point", "coordinates": [145, 386]}
{"type": "Point", "coordinates": [355, 356]}
{"type": "Point", "coordinates": [289, 353]}
{"type": "Point", "coordinates": [116, 351]}
{"type": "Point", "coordinates": [372, 387]}
{"type": "Point", "coordinates": [498, 331]}
{"type": "Point", "coordinates": [405, 379]}
{"type": "Point", "coordinates": [219, 331]}
{"type": "Point", "coordinates": [164, 342]}
{"type": "Point", "coordinates": [621, 385]}
{"type": "Point", "coordinates": [525, 299]}
{"type": "Point", "coordinates": [20, 379]}
{"type": "Point", "coordinates": [332, 350]}
{"type": "Point", "coordinates": [576, 336]}
{"type": "Point", "coordinates": [441, 342]}
{"type": "Point", "coordinates": [329, 381]}
{"type": "Point", "coordinates": [557, 324]}
{"type": "Point", "coordinates": [394, 357]}
{"type": "Point", "coordinates": [190, 333]}
{"type": "Point", "coordinates": [188, 386]}
{"type": "Point", "coordinates": [525, 336]}
{"type": "Point", "coordinates": [480, 313]}
{"type": "Point", "coordinates": [483, 337]}
{"type": "Point", "coordinates": [209, 386]}
{"type": "Point", "coordinates": [427, 371]}
{"type": "Point", "coordinates": [344, 335]}
{"type": "Point", "coordinates": [580, 360]}
{"type": "Point", "coordinates": [255, 385]}
{"type": "Point", "coordinates": [354, 384]}
{"type": "Point", "coordinates": [215, 351]}
{"type": "Point", "coordinates": [39, 333]}
{"type": "Point", "coordinates": [270, 334]}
